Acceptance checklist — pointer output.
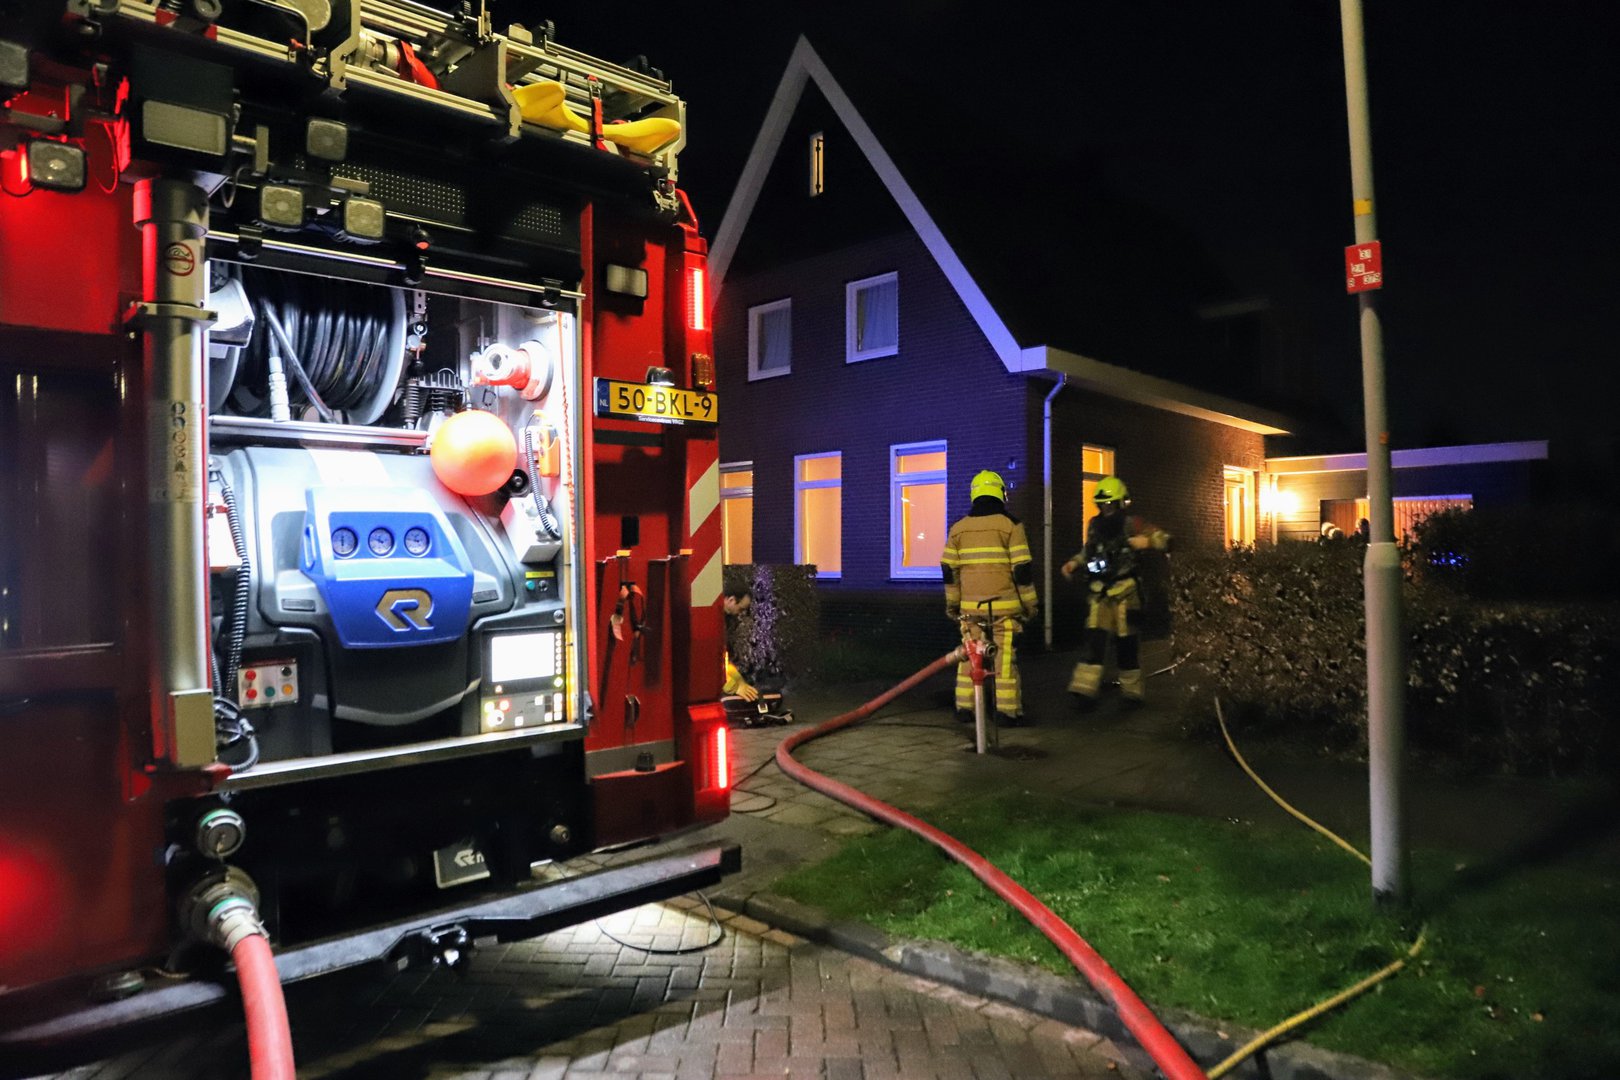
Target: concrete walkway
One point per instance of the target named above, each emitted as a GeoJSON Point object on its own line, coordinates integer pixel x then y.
{"type": "Point", "coordinates": [740, 1002]}
{"type": "Point", "coordinates": [914, 755]}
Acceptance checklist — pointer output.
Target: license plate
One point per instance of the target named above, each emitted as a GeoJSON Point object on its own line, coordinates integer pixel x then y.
{"type": "Point", "coordinates": [655, 404]}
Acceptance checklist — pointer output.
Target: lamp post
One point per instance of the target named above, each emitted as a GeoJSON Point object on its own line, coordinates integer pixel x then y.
{"type": "Point", "coordinates": [1381, 579]}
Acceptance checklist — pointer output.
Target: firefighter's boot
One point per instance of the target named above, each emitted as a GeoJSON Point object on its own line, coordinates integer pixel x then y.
{"type": "Point", "coordinates": [1086, 683]}
{"type": "Point", "coordinates": [1131, 687]}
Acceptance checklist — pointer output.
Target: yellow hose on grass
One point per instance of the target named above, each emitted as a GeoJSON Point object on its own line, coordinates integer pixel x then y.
{"type": "Point", "coordinates": [1269, 1036]}
{"type": "Point", "coordinates": [1278, 799]}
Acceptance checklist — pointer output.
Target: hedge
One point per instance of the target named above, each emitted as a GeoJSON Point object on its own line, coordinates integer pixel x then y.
{"type": "Point", "coordinates": [1522, 552]}
{"type": "Point", "coordinates": [778, 637]}
{"type": "Point", "coordinates": [1277, 632]}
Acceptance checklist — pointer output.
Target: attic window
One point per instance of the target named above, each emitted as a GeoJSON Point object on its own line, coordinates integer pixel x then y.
{"type": "Point", "coordinates": [818, 158]}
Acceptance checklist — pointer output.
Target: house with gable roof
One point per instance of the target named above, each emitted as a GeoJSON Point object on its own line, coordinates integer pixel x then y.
{"type": "Point", "coordinates": [882, 334]}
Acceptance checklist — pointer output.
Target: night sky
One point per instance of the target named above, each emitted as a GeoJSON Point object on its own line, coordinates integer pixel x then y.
{"type": "Point", "coordinates": [1492, 125]}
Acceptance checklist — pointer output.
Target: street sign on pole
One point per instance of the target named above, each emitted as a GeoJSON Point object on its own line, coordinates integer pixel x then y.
{"type": "Point", "coordinates": [1363, 267]}
{"type": "Point", "coordinates": [1381, 568]}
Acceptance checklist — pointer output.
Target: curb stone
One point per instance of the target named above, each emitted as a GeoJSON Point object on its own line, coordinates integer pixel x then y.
{"type": "Point", "coordinates": [1064, 1000]}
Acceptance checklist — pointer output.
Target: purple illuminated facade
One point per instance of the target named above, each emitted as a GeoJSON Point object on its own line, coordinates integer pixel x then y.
{"type": "Point", "coordinates": [959, 377]}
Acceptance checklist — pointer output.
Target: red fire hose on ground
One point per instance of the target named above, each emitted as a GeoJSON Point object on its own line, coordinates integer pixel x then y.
{"type": "Point", "coordinates": [269, 1036]}
{"type": "Point", "coordinates": [222, 910]}
{"type": "Point", "coordinates": [1168, 1054]}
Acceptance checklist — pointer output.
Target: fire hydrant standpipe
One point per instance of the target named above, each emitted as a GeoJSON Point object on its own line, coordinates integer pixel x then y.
{"type": "Point", "coordinates": [1168, 1054]}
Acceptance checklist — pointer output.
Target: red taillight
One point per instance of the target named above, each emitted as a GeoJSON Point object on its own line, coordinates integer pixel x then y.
{"type": "Point", "coordinates": [697, 307]}
{"type": "Point", "coordinates": [722, 759]}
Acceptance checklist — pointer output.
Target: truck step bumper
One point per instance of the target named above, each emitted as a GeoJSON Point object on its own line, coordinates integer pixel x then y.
{"type": "Point", "coordinates": [36, 1033]}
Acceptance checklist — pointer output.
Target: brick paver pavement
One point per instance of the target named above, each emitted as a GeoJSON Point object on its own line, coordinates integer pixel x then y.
{"type": "Point", "coordinates": [578, 1004]}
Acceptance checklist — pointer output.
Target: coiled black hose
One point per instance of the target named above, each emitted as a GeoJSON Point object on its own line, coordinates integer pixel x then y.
{"type": "Point", "coordinates": [334, 337]}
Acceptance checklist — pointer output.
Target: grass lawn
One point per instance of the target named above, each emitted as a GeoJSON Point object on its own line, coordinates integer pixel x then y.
{"type": "Point", "coordinates": [1253, 923]}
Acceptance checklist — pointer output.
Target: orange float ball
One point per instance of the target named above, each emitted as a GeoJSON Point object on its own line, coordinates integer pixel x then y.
{"type": "Point", "coordinates": [473, 453]}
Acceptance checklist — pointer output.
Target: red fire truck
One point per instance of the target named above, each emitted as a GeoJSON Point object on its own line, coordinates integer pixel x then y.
{"type": "Point", "coordinates": [359, 489]}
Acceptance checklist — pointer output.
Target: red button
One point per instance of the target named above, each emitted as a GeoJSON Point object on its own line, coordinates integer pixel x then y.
{"type": "Point", "coordinates": [252, 693]}
{"type": "Point", "coordinates": [250, 674]}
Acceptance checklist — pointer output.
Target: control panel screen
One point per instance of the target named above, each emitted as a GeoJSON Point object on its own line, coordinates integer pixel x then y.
{"type": "Point", "coordinates": [522, 657]}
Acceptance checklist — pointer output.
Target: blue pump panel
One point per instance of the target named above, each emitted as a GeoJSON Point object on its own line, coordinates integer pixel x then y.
{"type": "Point", "coordinates": [389, 566]}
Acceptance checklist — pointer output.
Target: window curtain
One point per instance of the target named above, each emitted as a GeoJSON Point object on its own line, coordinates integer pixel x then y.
{"type": "Point", "coordinates": [776, 339]}
{"type": "Point", "coordinates": [877, 316]}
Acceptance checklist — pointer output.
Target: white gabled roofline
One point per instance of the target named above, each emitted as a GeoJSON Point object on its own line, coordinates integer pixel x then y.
{"type": "Point", "coordinates": [806, 64]}
{"type": "Point", "coordinates": [1425, 458]}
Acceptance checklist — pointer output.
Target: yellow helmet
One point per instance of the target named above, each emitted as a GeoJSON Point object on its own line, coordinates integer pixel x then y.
{"type": "Point", "coordinates": [1111, 489]}
{"type": "Point", "coordinates": [988, 483]}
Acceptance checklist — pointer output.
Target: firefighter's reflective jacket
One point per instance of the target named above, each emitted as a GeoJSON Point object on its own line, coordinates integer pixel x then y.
{"type": "Point", "coordinates": [987, 557]}
{"type": "Point", "coordinates": [1109, 555]}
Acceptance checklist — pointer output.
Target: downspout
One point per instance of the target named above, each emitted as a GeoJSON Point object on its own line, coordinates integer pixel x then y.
{"type": "Point", "coordinates": [1046, 497]}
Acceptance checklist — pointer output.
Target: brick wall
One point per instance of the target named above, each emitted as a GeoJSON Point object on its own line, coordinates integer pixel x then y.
{"type": "Point", "coordinates": [1172, 464]}
{"type": "Point", "coordinates": [945, 383]}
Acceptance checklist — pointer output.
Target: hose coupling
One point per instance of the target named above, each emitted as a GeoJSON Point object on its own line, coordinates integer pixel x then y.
{"type": "Point", "coordinates": [222, 909]}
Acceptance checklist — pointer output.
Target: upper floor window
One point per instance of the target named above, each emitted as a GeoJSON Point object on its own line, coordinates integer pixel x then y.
{"type": "Point", "coordinates": [872, 317]}
{"type": "Point", "coordinates": [818, 510]}
{"type": "Point", "coordinates": [916, 510]}
{"type": "Point", "coordinates": [737, 512]}
{"type": "Point", "coordinates": [770, 340]}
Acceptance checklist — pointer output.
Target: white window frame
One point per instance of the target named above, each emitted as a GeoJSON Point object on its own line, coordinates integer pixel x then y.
{"type": "Point", "coordinates": [897, 480]}
{"type": "Point", "coordinates": [851, 291]}
{"type": "Point", "coordinates": [1249, 480]}
{"type": "Point", "coordinates": [801, 485]}
{"type": "Point", "coordinates": [754, 313]}
{"type": "Point", "coordinates": [736, 493]}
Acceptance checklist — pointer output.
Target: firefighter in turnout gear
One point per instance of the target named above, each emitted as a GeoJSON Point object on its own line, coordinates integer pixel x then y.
{"type": "Point", "coordinates": [1108, 565]}
{"type": "Point", "coordinates": [989, 575]}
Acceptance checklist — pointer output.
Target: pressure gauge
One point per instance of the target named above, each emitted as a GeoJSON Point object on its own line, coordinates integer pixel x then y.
{"type": "Point", "coordinates": [344, 542]}
{"type": "Point", "coordinates": [381, 542]}
{"type": "Point", "coordinates": [416, 540]}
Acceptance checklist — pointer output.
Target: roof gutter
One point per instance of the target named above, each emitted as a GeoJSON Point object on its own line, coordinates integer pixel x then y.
{"type": "Point", "coordinates": [1087, 374]}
